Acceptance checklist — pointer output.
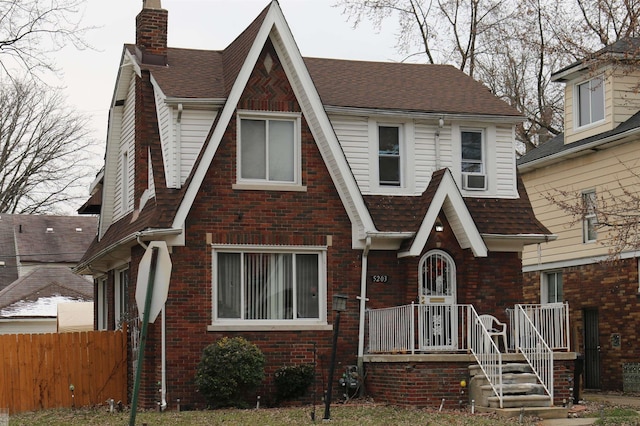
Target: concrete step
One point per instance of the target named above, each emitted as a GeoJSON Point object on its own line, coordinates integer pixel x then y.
{"type": "Point", "coordinates": [542, 412]}
{"type": "Point", "coordinates": [517, 389]}
{"type": "Point", "coordinates": [513, 367]}
{"type": "Point", "coordinates": [516, 401]}
{"type": "Point", "coordinates": [510, 378]}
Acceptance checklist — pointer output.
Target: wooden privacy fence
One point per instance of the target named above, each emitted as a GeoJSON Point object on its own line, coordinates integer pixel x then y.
{"type": "Point", "coordinates": [37, 370]}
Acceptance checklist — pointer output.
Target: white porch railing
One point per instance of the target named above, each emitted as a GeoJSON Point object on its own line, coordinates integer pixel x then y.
{"type": "Point", "coordinates": [487, 353]}
{"type": "Point", "coordinates": [532, 345]}
{"type": "Point", "coordinates": [551, 320]}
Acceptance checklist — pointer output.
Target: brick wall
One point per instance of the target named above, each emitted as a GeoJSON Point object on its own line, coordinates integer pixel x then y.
{"type": "Point", "coordinates": [612, 290]}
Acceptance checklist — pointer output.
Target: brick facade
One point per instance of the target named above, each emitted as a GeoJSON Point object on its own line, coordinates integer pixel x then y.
{"type": "Point", "coordinates": [611, 290]}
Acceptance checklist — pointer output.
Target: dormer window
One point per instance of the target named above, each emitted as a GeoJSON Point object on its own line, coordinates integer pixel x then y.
{"type": "Point", "coordinates": [590, 101]}
{"type": "Point", "coordinates": [268, 147]}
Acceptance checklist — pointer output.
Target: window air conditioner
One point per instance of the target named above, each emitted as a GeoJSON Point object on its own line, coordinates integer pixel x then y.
{"type": "Point", "coordinates": [474, 182]}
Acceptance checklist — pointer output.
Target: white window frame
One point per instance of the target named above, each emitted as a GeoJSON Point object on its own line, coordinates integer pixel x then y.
{"type": "Point", "coordinates": [544, 286]}
{"type": "Point", "coordinates": [120, 296]}
{"type": "Point", "coordinates": [578, 102]}
{"type": "Point", "coordinates": [590, 219]}
{"type": "Point", "coordinates": [248, 183]}
{"type": "Point", "coordinates": [102, 305]}
{"type": "Point", "coordinates": [484, 169]}
{"type": "Point", "coordinates": [321, 251]}
{"type": "Point", "coordinates": [401, 155]}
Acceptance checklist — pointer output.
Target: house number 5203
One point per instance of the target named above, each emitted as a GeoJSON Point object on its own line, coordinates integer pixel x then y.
{"type": "Point", "coordinates": [380, 278]}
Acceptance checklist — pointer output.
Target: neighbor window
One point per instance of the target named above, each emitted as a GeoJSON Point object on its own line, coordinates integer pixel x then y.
{"type": "Point", "coordinates": [552, 290]}
{"type": "Point", "coordinates": [590, 101]}
{"type": "Point", "coordinates": [269, 149]}
{"type": "Point", "coordinates": [472, 152]}
{"type": "Point", "coordinates": [120, 296]}
{"type": "Point", "coordinates": [389, 163]}
{"type": "Point", "coordinates": [589, 222]}
{"type": "Point", "coordinates": [266, 286]}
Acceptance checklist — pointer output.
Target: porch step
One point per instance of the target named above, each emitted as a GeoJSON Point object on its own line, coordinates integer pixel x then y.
{"type": "Point", "coordinates": [516, 401]}
{"type": "Point", "coordinates": [510, 378]}
{"type": "Point", "coordinates": [517, 389]}
{"type": "Point", "coordinates": [542, 412]}
{"type": "Point", "coordinates": [513, 367]}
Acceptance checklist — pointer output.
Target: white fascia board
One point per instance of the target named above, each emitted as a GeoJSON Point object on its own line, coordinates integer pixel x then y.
{"type": "Point", "coordinates": [358, 112]}
{"type": "Point", "coordinates": [225, 116]}
{"type": "Point", "coordinates": [275, 18]}
{"type": "Point", "coordinates": [448, 192]}
{"type": "Point", "coordinates": [582, 261]}
{"type": "Point", "coordinates": [323, 131]}
{"type": "Point", "coordinates": [576, 151]}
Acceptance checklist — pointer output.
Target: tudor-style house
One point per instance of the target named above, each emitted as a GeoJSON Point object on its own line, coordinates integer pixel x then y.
{"type": "Point", "coordinates": [278, 182]}
{"type": "Point", "coordinates": [593, 162]}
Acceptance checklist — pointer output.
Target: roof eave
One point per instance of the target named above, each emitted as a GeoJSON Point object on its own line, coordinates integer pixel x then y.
{"type": "Point", "coordinates": [358, 111]}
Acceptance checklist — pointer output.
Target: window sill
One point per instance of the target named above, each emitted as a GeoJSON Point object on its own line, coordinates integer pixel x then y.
{"type": "Point", "coordinates": [268, 187]}
{"type": "Point", "coordinates": [264, 327]}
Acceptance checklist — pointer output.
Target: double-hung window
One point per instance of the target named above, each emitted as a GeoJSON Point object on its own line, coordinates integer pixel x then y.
{"type": "Point", "coordinates": [590, 102]}
{"type": "Point", "coordinates": [473, 167]}
{"type": "Point", "coordinates": [269, 148]}
{"type": "Point", "coordinates": [389, 161]}
{"type": "Point", "coordinates": [552, 289]}
{"type": "Point", "coordinates": [589, 221]}
{"type": "Point", "coordinates": [277, 287]}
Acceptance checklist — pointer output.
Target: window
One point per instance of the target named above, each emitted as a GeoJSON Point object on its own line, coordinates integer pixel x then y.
{"type": "Point", "coordinates": [389, 163]}
{"type": "Point", "coordinates": [552, 291]}
{"type": "Point", "coordinates": [590, 101]}
{"type": "Point", "coordinates": [472, 152]}
{"type": "Point", "coordinates": [121, 297]}
{"type": "Point", "coordinates": [102, 305]}
{"type": "Point", "coordinates": [265, 286]}
{"type": "Point", "coordinates": [590, 221]}
{"type": "Point", "coordinates": [269, 149]}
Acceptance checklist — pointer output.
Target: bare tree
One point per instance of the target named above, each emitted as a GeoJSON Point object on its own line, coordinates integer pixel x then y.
{"type": "Point", "coordinates": [43, 150]}
{"type": "Point", "coordinates": [32, 29]}
{"type": "Point", "coordinates": [512, 46]}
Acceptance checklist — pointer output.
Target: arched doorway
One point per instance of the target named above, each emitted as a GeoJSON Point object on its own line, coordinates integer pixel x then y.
{"type": "Point", "coordinates": [438, 315]}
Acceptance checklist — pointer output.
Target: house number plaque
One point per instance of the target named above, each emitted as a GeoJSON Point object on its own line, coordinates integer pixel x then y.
{"type": "Point", "coordinates": [380, 278]}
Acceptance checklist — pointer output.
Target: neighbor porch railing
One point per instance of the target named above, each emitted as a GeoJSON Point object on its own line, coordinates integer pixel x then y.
{"type": "Point", "coordinates": [487, 354]}
{"type": "Point", "coordinates": [532, 345]}
{"type": "Point", "coordinates": [550, 319]}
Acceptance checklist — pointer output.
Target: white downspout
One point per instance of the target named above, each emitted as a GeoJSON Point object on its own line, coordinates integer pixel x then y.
{"type": "Point", "coordinates": [440, 126]}
{"type": "Point", "coordinates": [163, 387]}
{"type": "Point", "coordinates": [178, 157]}
{"type": "Point", "coordinates": [363, 303]}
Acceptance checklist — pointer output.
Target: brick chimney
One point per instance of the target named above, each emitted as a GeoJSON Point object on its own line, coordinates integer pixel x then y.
{"type": "Point", "coordinates": [151, 33]}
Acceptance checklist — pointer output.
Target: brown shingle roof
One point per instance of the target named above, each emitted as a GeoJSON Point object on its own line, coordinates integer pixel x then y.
{"type": "Point", "coordinates": [491, 215]}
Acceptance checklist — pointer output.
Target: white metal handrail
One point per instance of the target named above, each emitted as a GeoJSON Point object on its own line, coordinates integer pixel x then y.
{"type": "Point", "coordinates": [532, 345]}
{"type": "Point", "coordinates": [391, 330]}
{"type": "Point", "coordinates": [486, 352]}
{"type": "Point", "coordinates": [551, 320]}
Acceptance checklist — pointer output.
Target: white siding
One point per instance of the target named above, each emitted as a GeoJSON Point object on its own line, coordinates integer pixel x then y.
{"type": "Point", "coordinates": [505, 175]}
{"type": "Point", "coordinates": [165, 124]}
{"type": "Point", "coordinates": [194, 128]}
{"type": "Point", "coordinates": [352, 133]}
{"type": "Point", "coordinates": [127, 137]}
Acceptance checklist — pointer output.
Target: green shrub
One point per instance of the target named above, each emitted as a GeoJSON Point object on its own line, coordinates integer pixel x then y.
{"type": "Point", "coordinates": [228, 371]}
{"type": "Point", "coordinates": [293, 381]}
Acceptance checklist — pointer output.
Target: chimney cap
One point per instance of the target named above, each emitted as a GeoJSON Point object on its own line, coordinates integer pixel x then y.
{"type": "Point", "coordinates": [151, 4]}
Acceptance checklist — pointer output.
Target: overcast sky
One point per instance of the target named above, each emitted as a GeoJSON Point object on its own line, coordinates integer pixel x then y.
{"type": "Point", "coordinates": [320, 30]}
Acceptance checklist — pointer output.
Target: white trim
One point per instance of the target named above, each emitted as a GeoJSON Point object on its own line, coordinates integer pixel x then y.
{"type": "Point", "coordinates": [449, 198]}
{"type": "Point", "coordinates": [544, 285]}
{"type": "Point", "coordinates": [102, 304]}
{"type": "Point", "coordinates": [576, 262]}
{"type": "Point", "coordinates": [267, 116]}
{"type": "Point", "coordinates": [413, 115]}
{"type": "Point", "coordinates": [316, 117]}
{"type": "Point", "coordinates": [251, 324]}
{"type": "Point", "coordinates": [576, 104]}
{"type": "Point", "coordinates": [119, 295]}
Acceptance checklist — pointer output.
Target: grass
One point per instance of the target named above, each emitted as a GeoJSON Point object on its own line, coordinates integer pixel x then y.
{"type": "Point", "coordinates": [347, 415]}
{"type": "Point", "coordinates": [618, 416]}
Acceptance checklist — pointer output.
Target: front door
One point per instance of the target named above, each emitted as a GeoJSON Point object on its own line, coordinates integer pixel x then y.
{"type": "Point", "coordinates": [591, 349]}
{"type": "Point", "coordinates": [437, 313]}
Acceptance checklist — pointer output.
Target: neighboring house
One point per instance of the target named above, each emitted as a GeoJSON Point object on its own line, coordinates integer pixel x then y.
{"type": "Point", "coordinates": [279, 182]}
{"type": "Point", "coordinates": [37, 254]}
{"type": "Point", "coordinates": [595, 157]}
